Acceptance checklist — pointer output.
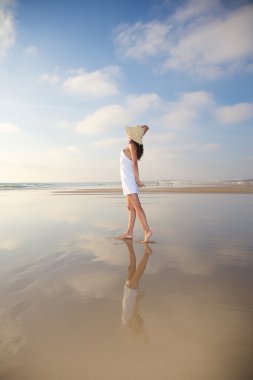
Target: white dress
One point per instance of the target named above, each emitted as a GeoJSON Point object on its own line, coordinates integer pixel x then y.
{"type": "Point", "coordinates": [129, 184]}
{"type": "Point", "coordinates": [128, 303]}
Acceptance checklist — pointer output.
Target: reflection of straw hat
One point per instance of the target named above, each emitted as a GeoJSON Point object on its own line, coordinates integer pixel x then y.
{"type": "Point", "coordinates": [135, 133]}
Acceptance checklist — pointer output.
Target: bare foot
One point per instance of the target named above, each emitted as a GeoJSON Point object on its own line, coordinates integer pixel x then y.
{"type": "Point", "coordinates": [125, 236]}
{"type": "Point", "coordinates": [148, 250]}
{"type": "Point", "coordinates": [147, 236]}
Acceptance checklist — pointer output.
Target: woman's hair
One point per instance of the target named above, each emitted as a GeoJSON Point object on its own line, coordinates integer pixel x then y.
{"type": "Point", "coordinates": [140, 149]}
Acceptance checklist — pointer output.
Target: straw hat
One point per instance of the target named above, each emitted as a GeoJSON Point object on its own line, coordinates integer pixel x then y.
{"type": "Point", "coordinates": [135, 133]}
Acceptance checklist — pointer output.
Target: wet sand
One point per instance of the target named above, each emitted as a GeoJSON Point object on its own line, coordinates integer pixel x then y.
{"type": "Point", "coordinates": [228, 189]}
{"type": "Point", "coordinates": [77, 303]}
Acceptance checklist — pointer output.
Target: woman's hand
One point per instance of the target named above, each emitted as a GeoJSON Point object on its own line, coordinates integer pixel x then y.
{"type": "Point", "coordinates": [145, 128]}
{"type": "Point", "coordinates": [139, 183]}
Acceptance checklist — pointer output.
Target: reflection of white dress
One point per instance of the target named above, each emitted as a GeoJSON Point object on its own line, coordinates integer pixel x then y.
{"type": "Point", "coordinates": [128, 302]}
{"type": "Point", "coordinates": [129, 184]}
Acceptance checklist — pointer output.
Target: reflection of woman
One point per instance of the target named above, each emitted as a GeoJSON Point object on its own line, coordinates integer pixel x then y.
{"type": "Point", "coordinates": [130, 180]}
{"type": "Point", "coordinates": [131, 298]}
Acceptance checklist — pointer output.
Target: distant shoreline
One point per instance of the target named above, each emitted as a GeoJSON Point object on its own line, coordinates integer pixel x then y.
{"type": "Point", "coordinates": [225, 189]}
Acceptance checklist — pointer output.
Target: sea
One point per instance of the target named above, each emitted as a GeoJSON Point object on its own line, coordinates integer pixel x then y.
{"type": "Point", "coordinates": [19, 186]}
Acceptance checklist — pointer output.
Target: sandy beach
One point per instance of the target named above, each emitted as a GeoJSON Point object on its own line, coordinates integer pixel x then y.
{"type": "Point", "coordinates": [228, 189]}
{"type": "Point", "coordinates": [77, 303]}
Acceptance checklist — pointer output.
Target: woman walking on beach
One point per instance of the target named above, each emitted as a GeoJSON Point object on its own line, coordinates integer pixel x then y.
{"type": "Point", "coordinates": [131, 182]}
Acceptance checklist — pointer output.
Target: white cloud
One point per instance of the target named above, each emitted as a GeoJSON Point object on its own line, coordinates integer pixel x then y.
{"type": "Point", "coordinates": [50, 78]}
{"type": "Point", "coordinates": [187, 110]}
{"type": "Point", "coordinates": [141, 103]}
{"type": "Point", "coordinates": [97, 83]}
{"type": "Point", "coordinates": [181, 114]}
{"type": "Point", "coordinates": [80, 82]}
{"type": "Point", "coordinates": [116, 115]}
{"type": "Point", "coordinates": [235, 114]}
{"type": "Point", "coordinates": [201, 38]}
{"type": "Point", "coordinates": [213, 48]}
{"type": "Point", "coordinates": [8, 128]}
{"type": "Point", "coordinates": [7, 27]}
{"type": "Point", "coordinates": [178, 117]}
{"type": "Point", "coordinates": [141, 39]}
{"type": "Point", "coordinates": [64, 124]}
{"type": "Point", "coordinates": [102, 119]}
{"type": "Point", "coordinates": [195, 8]}
{"type": "Point", "coordinates": [197, 99]}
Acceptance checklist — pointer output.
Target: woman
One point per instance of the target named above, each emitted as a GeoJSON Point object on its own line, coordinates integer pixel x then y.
{"type": "Point", "coordinates": [131, 182]}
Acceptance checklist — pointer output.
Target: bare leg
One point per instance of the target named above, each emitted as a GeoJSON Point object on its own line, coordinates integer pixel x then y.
{"type": "Point", "coordinates": [141, 215]}
{"type": "Point", "coordinates": [132, 261]}
{"type": "Point", "coordinates": [134, 274]}
{"type": "Point", "coordinates": [131, 218]}
{"type": "Point", "coordinates": [131, 221]}
{"type": "Point", "coordinates": [140, 267]}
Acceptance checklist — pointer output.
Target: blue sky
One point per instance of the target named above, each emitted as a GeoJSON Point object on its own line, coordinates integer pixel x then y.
{"type": "Point", "coordinates": [74, 73]}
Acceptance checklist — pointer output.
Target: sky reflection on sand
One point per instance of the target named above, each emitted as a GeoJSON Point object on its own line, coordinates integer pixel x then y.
{"type": "Point", "coordinates": [62, 277]}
